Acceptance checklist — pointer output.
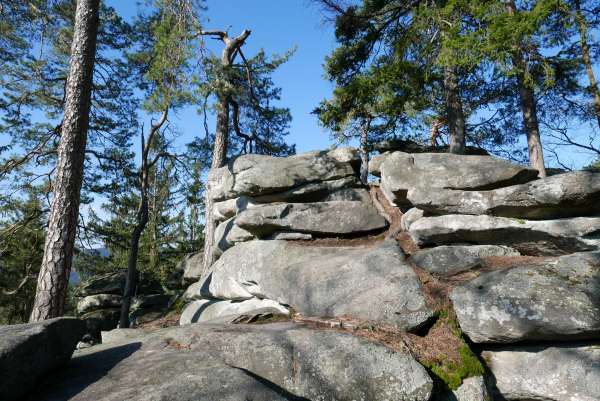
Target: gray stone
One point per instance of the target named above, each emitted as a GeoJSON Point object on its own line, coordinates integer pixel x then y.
{"type": "Point", "coordinates": [324, 218]}
{"type": "Point", "coordinates": [410, 217]}
{"type": "Point", "coordinates": [204, 310]}
{"type": "Point", "coordinates": [109, 283]}
{"type": "Point", "coordinates": [563, 195]}
{"type": "Point", "coordinates": [192, 266]}
{"type": "Point", "coordinates": [312, 192]}
{"type": "Point", "coordinates": [273, 362]}
{"type": "Point", "coordinates": [228, 233]}
{"type": "Point", "coordinates": [98, 301]}
{"type": "Point", "coordinates": [118, 335]}
{"type": "Point", "coordinates": [370, 283]}
{"type": "Point", "coordinates": [290, 236]}
{"type": "Point", "coordinates": [530, 237]}
{"type": "Point", "coordinates": [449, 260]}
{"type": "Point", "coordinates": [471, 389]}
{"type": "Point", "coordinates": [254, 175]}
{"type": "Point", "coordinates": [348, 194]}
{"type": "Point", "coordinates": [557, 299]}
{"type": "Point", "coordinates": [229, 208]}
{"type": "Point", "coordinates": [28, 352]}
{"type": "Point", "coordinates": [401, 172]}
{"type": "Point", "coordinates": [569, 372]}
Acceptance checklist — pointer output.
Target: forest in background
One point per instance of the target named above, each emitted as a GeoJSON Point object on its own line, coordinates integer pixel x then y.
{"type": "Point", "coordinates": [517, 78]}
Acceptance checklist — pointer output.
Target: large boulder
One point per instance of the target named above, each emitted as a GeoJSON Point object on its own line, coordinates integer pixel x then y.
{"type": "Point", "coordinates": [256, 175]}
{"type": "Point", "coordinates": [401, 172]}
{"type": "Point", "coordinates": [448, 260]}
{"type": "Point", "coordinates": [239, 362]}
{"type": "Point", "coordinates": [191, 265]}
{"type": "Point", "coordinates": [28, 352]}
{"type": "Point", "coordinates": [530, 237]}
{"type": "Point", "coordinates": [323, 218]}
{"type": "Point", "coordinates": [565, 372]}
{"type": "Point", "coordinates": [98, 301]}
{"type": "Point", "coordinates": [371, 283]}
{"type": "Point", "coordinates": [204, 310]}
{"type": "Point", "coordinates": [228, 233]}
{"type": "Point", "coordinates": [557, 299]}
{"type": "Point", "coordinates": [563, 195]}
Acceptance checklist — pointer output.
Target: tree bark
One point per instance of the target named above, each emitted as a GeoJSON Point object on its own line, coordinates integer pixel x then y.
{"type": "Point", "coordinates": [454, 111]}
{"type": "Point", "coordinates": [364, 152]}
{"type": "Point", "coordinates": [587, 60]}
{"type": "Point", "coordinates": [528, 107]}
{"type": "Point", "coordinates": [219, 155]}
{"type": "Point", "coordinates": [54, 273]}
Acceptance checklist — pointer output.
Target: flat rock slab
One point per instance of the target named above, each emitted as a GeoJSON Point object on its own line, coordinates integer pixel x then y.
{"type": "Point", "coordinates": [98, 301]}
{"type": "Point", "coordinates": [239, 362]}
{"type": "Point", "coordinates": [565, 372]}
{"type": "Point", "coordinates": [322, 218]}
{"type": "Point", "coordinates": [401, 172]}
{"type": "Point", "coordinates": [448, 260]}
{"type": "Point", "coordinates": [370, 283]}
{"type": "Point", "coordinates": [204, 310]}
{"type": "Point", "coordinates": [28, 352]}
{"type": "Point", "coordinates": [557, 299]}
{"type": "Point", "coordinates": [530, 237]}
{"type": "Point", "coordinates": [256, 175]}
{"type": "Point", "coordinates": [562, 195]}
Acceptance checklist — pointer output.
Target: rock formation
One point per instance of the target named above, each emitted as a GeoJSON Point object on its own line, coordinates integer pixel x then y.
{"type": "Point", "coordinates": [456, 277]}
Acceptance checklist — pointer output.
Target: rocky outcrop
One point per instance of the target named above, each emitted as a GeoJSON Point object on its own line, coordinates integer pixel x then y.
{"type": "Point", "coordinates": [557, 299]}
{"type": "Point", "coordinates": [371, 283]}
{"type": "Point", "coordinates": [450, 260]}
{"type": "Point", "coordinates": [322, 218]}
{"type": "Point", "coordinates": [530, 237]}
{"type": "Point", "coordinates": [266, 362]}
{"type": "Point", "coordinates": [191, 266]}
{"type": "Point", "coordinates": [401, 172]}
{"type": "Point", "coordinates": [228, 233]}
{"type": "Point", "coordinates": [553, 373]}
{"type": "Point", "coordinates": [303, 174]}
{"type": "Point", "coordinates": [563, 195]}
{"type": "Point", "coordinates": [30, 351]}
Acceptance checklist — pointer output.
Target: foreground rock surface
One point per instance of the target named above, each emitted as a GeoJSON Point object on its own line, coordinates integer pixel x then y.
{"type": "Point", "coordinates": [30, 351]}
{"type": "Point", "coordinates": [371, 283]}
{"type": "Point", "coordinates": [558, 299]}
{"type": "Point", "coordinates": [563, 195]}
{"type": "Point", "coordinates": [550, 373]}
{"type": "Point", "coordinates": [204, 310]}
{"type": "Point", "coordinates": [530, 237]}
{"type": "Point", "coordinates": [401, 172]}
{"type": "Point", "coordinates": [215, 362]}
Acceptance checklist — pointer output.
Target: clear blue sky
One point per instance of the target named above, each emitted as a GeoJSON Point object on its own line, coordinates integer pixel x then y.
{"type": "Point", "coordinates": [277, 26]}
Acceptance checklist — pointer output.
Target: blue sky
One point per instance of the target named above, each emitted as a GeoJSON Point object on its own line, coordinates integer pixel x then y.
{"type": "Point", "coordinates": [277, 26]}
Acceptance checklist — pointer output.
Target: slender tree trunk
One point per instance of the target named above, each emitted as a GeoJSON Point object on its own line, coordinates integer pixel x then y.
{"type": "Point", "coordinates": [54, 273]}
{"type": "Point", "coordinates": [132, 280]}
{"type": "Point", "coordinates": [219, 155]}
{"type": "Point", "coordinates": [454, 111]}
{"type": "Point", "coordinates": [528, 107]}
{"type": "Point", "coordinates": [364, 152]}
{"type": "Point", "coordinates": [587, 60]}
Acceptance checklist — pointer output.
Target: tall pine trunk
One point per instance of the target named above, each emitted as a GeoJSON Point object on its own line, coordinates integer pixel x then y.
{"type": "Point", "coordinates": [587, 60]}
{"type": "Point", "coordinates": [54, 273]}
{"type": "Point", "coordinates": [219, 155]}
{"type": "Point", "coordinates": [454, 111]}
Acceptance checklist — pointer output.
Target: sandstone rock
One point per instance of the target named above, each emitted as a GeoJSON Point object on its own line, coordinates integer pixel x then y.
{"type": "Point", "coordinates": [288, 236]}
{"type": "Point", "coordinates": [109, 283]}
{"type": "Point", "coordinates": [348, 194]}
{"type": "Point", "coordinates": [312, 192]}
{"type": "Point", "coordinates": [563, 195]}
{"type": "Point", "coordinates": [553, 300]}
{"type": "Point", "coordinates": [471, 389]}
{"type": "Point", "coordinates": [325, 218]}
{"type": "Point", "coordinates": [271, 362]}
{"type": "Point", "coordinates": [530, 237]}
{"type": "Point", "coordinates": [28, 352]}
{"type": "Point", "coordinates": [401, 172]}
{"type": "Point", "coordinates": [229, 208]}
{"type": "Point", "coordinates": [410, 217]}
{"type": "Point", "coordinates": [204, 310]}
{"type": "Point", "coordinates": [228, 233]}
{"type": "Point", "coordinates": [192, 267]}
{"type": "Point", "coordinates": [450, 260]}
{"type": "Point", "coordinates": [550, 373]}
{"type": "Point", "coordinates": [371, 283]}
{"type": "Point", "coordinates": [99, 301]}
{"type": "Point", "coordinates": [254, 175]}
